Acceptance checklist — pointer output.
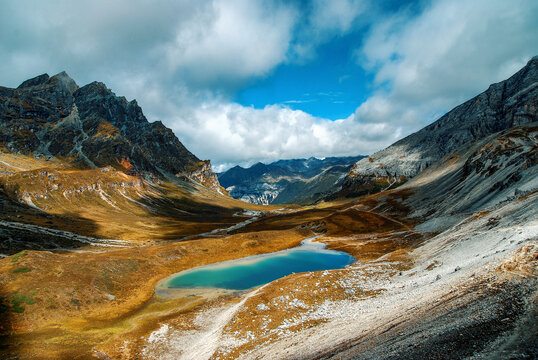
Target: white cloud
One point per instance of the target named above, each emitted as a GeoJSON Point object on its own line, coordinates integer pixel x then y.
{"type": "Point", "coordinates": [234, 41]}
{"type": "Point", "coordinates": [322, 21]}
{"type": "Point", "coordinates": [450, 52]}
{"type": "Point", "coordinates": [182, 60]}
{"type": "Point", "coordinates": [211, 44]}
{"type": "Point", "coordinates": [337, 15]}
{"type": "Point", "coordinates": [231, 133]}
{"type": "Point", "coordinates": [424, 65]}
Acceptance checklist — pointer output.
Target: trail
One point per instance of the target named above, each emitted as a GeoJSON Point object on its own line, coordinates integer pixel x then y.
{"type": "Point", "coordinates": [64, 234]}
{"type": "Point", "coordinates": [12, 166]}
{"type": "Point", "coordinates": [358, 207]}
{"type": "Point", "coordinates": [220, 232]}
{"type": "Point", "coordinates": [198, 345]}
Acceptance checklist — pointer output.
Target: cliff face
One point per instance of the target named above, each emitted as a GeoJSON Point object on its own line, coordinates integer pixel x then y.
{"type": "Point", "coordinates": [481, 176]}
{"type": "Point", "coordinates": [503, 105]}
{"type": "Point", "coordinates": [202, 173]}
{"type": "Point", "coordinates": [92, 127]}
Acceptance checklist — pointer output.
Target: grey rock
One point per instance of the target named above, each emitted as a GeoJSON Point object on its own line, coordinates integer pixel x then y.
{"type": "Point", "coordinates": [92, 127]}
{"type": "Point", "coordinates": [503, 105]}
{"type": "Point", "coordinates": [38, 80]}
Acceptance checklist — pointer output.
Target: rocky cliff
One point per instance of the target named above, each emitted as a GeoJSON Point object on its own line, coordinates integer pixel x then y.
{"type": "Point", "coordinates": [481, 176]}
{"type": "Point", "coordinates": [91, 127]}
{"type": "Point", "coordinates": [503, 105]}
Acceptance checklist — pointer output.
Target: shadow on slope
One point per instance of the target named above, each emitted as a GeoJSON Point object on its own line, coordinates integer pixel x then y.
{"type": "Point", "coordinates": [490, 318]}
{"type": "Point", "coordinates": [23, 228]}
{"type": "Point", "coordinates": [6, 320]}
{"type": "Point", "coordinates": [478, 177]}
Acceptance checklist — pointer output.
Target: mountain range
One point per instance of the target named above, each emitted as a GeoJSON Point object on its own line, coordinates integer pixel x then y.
{"type": "Point", "coordinates": [297, 181]}
{"type": "Point", "coordinates": [100, 207]}
{"type": "Point", "coordinates": [509, 103]}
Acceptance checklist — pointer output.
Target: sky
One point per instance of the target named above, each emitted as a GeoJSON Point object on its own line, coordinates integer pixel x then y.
{"type": "Point", "coordinates": [242, 81]}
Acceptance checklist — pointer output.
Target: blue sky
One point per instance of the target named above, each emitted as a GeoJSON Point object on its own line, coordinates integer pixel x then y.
{"type": "Point", "coordinates": [330, 86]}
{"type": "Point", "coordinates": [241, 81]}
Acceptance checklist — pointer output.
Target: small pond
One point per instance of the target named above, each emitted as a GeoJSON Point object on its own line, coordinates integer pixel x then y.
{"type": "Point", "coordinates": [252, 271]}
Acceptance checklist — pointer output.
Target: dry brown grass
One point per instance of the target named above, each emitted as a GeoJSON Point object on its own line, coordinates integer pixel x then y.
{"type": "Point", "coordinates": [107, 203]}
{"type": "Point", "coordinates": [72, 291]}
{"type": "Point", "coordinates": [86, 300]}
{"type": "Point", "coordinates": [290, 301]}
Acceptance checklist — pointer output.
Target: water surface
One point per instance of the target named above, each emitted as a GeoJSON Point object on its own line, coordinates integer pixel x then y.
{"type": "Point", "coordinates": [257, 270]}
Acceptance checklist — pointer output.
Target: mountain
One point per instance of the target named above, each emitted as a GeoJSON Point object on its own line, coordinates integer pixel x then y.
{"type": "Point", "coordinates": [80, 164]}
{"type": "Point", "coordinates": [469, 231]}
{"type": "Point", "coordinates": [300, 181]}
{"type": "Point", "coordinates": [90, 127]}
{"type": "Point", "coordinates": [458, 280]}
{"type": "Point", "coordinates": [482, 175]}
{"type": "Point", "coordinates": [503, 105]}
{"type": "Point", "coordinates": [447, 262]}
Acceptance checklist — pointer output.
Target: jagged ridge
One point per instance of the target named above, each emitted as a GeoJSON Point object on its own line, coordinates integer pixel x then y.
{"type": "Point", "coordinates": [503, 105]}
{"type": "Point", "coordinates": [299, 181]}
{"type": "Point", "coordinates": [92, 127]}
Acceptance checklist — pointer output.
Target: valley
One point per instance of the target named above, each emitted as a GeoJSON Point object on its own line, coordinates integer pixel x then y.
{"type": "Point", "coordinates": [123, 281]}
{"type": "Point", "coordinates": [100, 207]}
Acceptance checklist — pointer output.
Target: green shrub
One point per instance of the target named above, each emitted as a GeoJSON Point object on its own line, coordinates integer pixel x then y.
{"type": "Point", "coordinates": [17, 256]}
{"type": "Point", "coordinates": [18, 300]}
{"type": "Point", "coordinates": [21, 270]}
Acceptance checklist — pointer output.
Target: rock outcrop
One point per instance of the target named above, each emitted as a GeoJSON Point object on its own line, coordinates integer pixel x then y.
{"type": "Point", "coordinates": [481, 176]}
{"type": "Point", "coordinates": [503, 105]}
{"type": "Point", "coordinates": [92, 127]}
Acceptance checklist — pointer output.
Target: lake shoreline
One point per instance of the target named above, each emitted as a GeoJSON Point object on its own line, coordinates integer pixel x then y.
{"type": "Point", "coordinates": [163, 288]}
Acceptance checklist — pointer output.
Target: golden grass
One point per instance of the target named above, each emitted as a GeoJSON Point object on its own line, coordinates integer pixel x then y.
{"type": "Point", "coordinates": [72, 290]}
{"type": "Point", "coordinates": [100, 298]}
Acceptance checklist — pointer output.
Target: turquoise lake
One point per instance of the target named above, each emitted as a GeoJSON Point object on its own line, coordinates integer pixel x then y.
{"type": "Point", "coordinates": [257, 270]}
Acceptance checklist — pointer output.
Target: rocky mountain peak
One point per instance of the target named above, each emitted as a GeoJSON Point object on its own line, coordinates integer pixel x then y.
{"type": "Point", "coordinates": [503, 105]}
{"type": "Point", "coordinates": [38, 80]}
{"type": "Point", "coordinates": [94, 89]}
{"type": "Point", "coordinates": [92, 127]}
{"type": "Point", "coordinates": [63, 80]}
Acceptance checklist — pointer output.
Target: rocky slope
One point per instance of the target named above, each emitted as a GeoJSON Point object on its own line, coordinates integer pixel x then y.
{"type": "Point", "coordinates": [447, 269]}
{"type": "Point", "coordinates": [300, 181]}
{"type": "Point", "coordinates": [481, 176]}
{"type": "Point", "coordinates": [503, 105]}
{"type": "Point", "coordinates": [91, 127]}
{"type": "Point", "coordinates": [462, 286]}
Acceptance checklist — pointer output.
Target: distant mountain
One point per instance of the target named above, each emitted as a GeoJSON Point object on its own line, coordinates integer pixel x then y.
{"type": "Point", "coordinates": [90, 127]}
{"type": "Point", "coordinates": [503, 105]}
{"type": "Point", "coordinates": [300, 181]}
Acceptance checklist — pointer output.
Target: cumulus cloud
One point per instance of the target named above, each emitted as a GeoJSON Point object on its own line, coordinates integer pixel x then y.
{"type": "Point", "coordinates": [322, 20]}
{"type": "Point", "coordinates": [216, 44]}
{"type": "Point", "coordinates": [428, 63]}
{"type": "Point", "coordinates": [337, 15]}
{"type": "Point", "coordinates": [232, 133]}
{"type": "Point", "coordinates": [229, 133]}
{"type": "Point", "coordinates": [88, 39]}
{"type": "Point", "coordinates": [235, 40]}
{"type": "Point", "coordinates": [183, 61]}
